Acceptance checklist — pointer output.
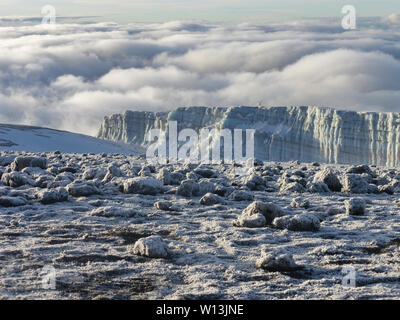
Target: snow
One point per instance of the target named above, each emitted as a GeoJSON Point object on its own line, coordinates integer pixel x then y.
{"type": "Point", "coordinates": [37, 139]}
{"type": "Point", "coordinates": [90, 239]}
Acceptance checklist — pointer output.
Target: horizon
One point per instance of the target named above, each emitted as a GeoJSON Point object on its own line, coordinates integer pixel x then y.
{"type": "Point", "coordinates": [73, 75]}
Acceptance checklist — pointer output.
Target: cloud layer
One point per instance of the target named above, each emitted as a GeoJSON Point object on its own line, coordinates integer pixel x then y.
{"type": "Point", "coordinates": [70, 78]}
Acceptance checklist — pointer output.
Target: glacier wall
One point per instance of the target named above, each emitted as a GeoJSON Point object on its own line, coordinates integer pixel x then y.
{"type": "Point", "coordinates": [282, 133]}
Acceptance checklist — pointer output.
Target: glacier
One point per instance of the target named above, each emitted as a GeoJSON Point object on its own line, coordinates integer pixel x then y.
{"type": "Point", "coordinates": [304, 133]}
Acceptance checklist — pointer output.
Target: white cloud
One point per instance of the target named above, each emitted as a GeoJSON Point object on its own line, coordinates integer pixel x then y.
{"type": "Point", "coordinates": [72, 77]}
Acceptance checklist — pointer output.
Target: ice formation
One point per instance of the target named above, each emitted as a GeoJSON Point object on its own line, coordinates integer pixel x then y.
{"type": "Point", "coordinates": [282, 133]}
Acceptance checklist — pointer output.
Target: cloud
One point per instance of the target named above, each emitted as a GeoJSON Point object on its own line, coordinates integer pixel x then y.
{"type": "Point", "coordinates": [70, 78]}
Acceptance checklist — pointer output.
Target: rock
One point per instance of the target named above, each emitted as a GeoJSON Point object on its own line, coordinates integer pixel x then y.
{"type": "Point", "coordinates": [16, 179]}
{"type": "Point", "coordinates": [386, 189]}
{"type": "Point", "coordinates": [170, 178]}
{"type": "Point", "coordinates": [318, 187]}
{"type": "Point", "coordinates": [53, 196]}
{"type": "Point", "coordinates": [254, 182]}
{"type": "Point", "coordinates": [277, 262]}
{"type": "Point", "coordinates": [300, 203]}
{"type": "Point", "coordinates": [299, 222]}
{"type": "Point", "coordinates": [112, 171]}
{"type": "Point", "coordinates": [82, 189]}
{"type": "Point", "coordinates": [354, 183]}
{"type": "Point", "coordinates": [292, 187]}
{"type": "Point", "coordinates": [241, 195]}
{"type": "Point", "coordinates": [20, 163]}
{"type": "Point", "coordinates": [206, 187]}
{"type": "Point", "coordinates": [143, 185]}
{"type": "Point", "coordinates": [360, 169]}
{"type": "Point", "coordinates": [205, 172]}
{"type": "Point", "coordinates": [89, 174]}
{"type": "Point", "coordinates": [329, 178]}
{"type": "Point", "coordinates": [254, 221]}
{"type": "Point", "coordinates": [6, 160]}
{"type": "Point", "coordinates": [269, 210]}
{"type": "Point", "coordinates": [210, 199]}
{"type": "Point", "coordinates": [152, 247]}
{"type": "Point", "coordinates": [165, 206]}
{"type": "Point", "coordinates": [355, 206]}
{"type": "Point", "coordinates": [111, 212]}
{"type": "Point", "coordinates": [188, 188]}
{"type": "Point", "coordinates": [12, 201]}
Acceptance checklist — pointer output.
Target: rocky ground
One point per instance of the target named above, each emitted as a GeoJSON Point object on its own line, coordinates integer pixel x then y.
{"type": "Point", "coordinates": [113, 227]}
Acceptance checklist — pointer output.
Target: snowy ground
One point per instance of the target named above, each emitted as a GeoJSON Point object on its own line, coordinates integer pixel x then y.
{"type": "Point", "coordinates": [38, 139]}
{"type": "Point", "coordinates": [89, 231]}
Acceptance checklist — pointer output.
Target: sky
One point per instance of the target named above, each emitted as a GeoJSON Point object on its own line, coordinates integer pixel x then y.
{"type": "Point", "coordinates": [72, 76]}
{"type": "Point", "coordinates": [125, 11]}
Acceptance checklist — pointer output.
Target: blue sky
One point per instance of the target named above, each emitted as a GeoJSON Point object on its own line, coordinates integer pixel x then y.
{"type": "Point", "coordinates": [216, 10]}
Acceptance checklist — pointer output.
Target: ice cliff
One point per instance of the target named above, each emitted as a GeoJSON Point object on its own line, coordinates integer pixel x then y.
{"type": "Point", "coordinates": [282, 133]}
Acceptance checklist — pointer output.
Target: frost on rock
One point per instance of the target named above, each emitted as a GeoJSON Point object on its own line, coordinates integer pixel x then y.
{"type": "Point", "coordinates": [53, 196]}
{"type": "Point", "coordinates": [329, 178]}
{"type": "Point", "coordinates": [20, 163]}
{"type": "Point", "coordinates": [354, 183]}
{"type": "Point", "coordinates": [143, 185]}
{"type": "Point", "coordinates": [152, 247]}
{"type": "Point", "coordinates": [210, 199]}
{"type": "Point", "coordinates": [110, 211]}
{"type": "Point", "coordinates": [292, 187]}
{"type": "Point", "coordinates": [165, 206]}
{"type": "Point", "coordinates": [188, 188]}
{"type": "Point", "coordinates": [82, 189]}
{"type": "Point", "coordinates": [299, 222]}
{"type": "Point", "coordinates": [277, 262]}
{"type": "Point", "coordinates": [251, 216]}
{"type": "Point", "coordinates": [254, 182]}
{"type": "Point", "coordinates": [355, 206]}
{"type": "Point", "coordinates": [300, 203]}
{"type": "Point", "coordinates": [318, 187]}
{"type": "Point", "coordinates": [170, 178]}
{"type": "Point", "coordinates": [241, 195]}
{"type": "Point", "coordinates": [12, 201]}
{"type": "Point", "coordinates": [16, 179]}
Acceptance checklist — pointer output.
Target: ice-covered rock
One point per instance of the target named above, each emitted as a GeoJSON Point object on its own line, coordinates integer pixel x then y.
{"type": "Point", "coordinates": [112, 212]}
{"type": "Point", "coordinates": [82, 189]}
{"type": "Point", "coordinates": [143, 185]}
{"type": "Point", "coordinates": [53, 196]}
{"type": "Point", "coordinates": [292, 187]}
{"type": "Point", "coordinates": [251, 215]}
{"type": "Point", "coordinates": [16, 179]}
{"type": "Point", "coordinates": [298, 222]}
{"type": "Point", "coordinates": [241, 195]}
{"type": "Point", "coordinates": [354, 183]}
{"type": "Point", "coordinates": [328, 177]}
{"type": "Point", "coordinates": [276, 262]}
{"type": "Point", "coordinates": [254, 182]}
{"type": "Point", "coordinates": [300, 203]}
{"type": "Point", "coordinates": [20, 163]}
{"type": "Point", "coordinates": [318, 187]}
{"type": "Point", "coordinates": [152, 247]}
{"type": "Point", "coordinates": [188, 188]}
{"type": "Point", "coordinates": [210, 199]}
{"type": "Point", "coordinates": [12, 201]}
{"type": "Point", "coordinates": [355, 206]}
{"type": "Point", "coordinates": [170, 178]}
{"type": "Point", "coordinates": [165, 206]}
